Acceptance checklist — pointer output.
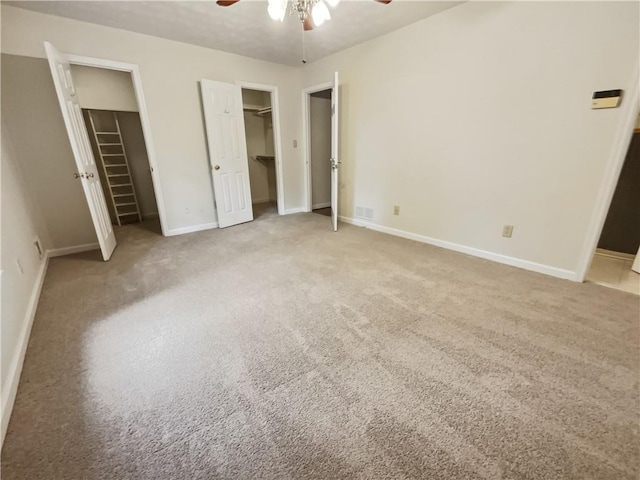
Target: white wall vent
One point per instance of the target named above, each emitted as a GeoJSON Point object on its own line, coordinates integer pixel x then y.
{"type": "Point", "coordinates": [364, 213]}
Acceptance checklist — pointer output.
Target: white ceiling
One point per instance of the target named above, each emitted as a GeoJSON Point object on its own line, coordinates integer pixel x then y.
{"type": "Point", "coordinates": [245, 28]}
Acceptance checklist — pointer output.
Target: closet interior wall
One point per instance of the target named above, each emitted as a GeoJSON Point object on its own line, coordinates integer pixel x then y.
{"type": "Point", "coordinates": [137, 201]}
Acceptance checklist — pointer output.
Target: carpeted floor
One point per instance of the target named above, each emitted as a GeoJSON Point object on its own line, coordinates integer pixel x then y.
{"type": "Point", "coordinates": [281, 350]}
{"type": "Point", "coordinates": [323, 211]}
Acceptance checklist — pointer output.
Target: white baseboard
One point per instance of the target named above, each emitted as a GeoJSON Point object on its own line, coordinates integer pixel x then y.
{"type": "Point", "coordinates": [320, 205]}
{"type": "Point", "coordinates": [610, 253]}
{"type": "Point", "coordinates": [58, 252]}
{"type": "Point", "coordinates": [194, 228]}
{"type": "Point", "coordinates": [495, 257]}
{"type": "Point", "coordinates": [295, 210]}
{"type": "Point", "coordinates": [15, 367]}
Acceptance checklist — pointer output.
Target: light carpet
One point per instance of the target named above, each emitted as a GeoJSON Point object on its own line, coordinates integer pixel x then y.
{"type": "Point", "coordinates": [281, 350]}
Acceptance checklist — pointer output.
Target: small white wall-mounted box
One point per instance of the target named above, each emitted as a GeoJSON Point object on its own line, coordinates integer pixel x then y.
{"type": "Point", "coordinates": [606, 99]}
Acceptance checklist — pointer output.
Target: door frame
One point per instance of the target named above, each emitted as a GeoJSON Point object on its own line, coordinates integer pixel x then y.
{"type": "Point", "coordinates": [136, 79]}
{"type": "Point", "coordinates": [277, 144]}
{"type": "Point", "coordinates": [306, 136]}
{"type": "Point", "coordinates": [610, 180]}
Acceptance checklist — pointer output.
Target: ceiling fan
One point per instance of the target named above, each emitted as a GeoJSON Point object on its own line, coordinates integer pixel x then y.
{"type": "Point", "coordinates": [310, 12]}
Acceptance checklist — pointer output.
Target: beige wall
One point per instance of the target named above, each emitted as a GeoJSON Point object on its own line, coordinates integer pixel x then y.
{"type": "Point", "coordinates": [103, 89]}
{"type": "Point", "coordinates": [170, 73]}
{"type": "Point", "coordinates": [480, 116]}
{"type": "Point", "coordinates": [21, 270]}
{"type": "Point", "coordinates": [30, 110]}
{"type": "Point", "coordinates": [320, 140]}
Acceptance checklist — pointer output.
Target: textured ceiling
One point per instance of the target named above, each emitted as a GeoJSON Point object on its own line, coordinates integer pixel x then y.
{"type": "Point", "coordinates": [245, 28]}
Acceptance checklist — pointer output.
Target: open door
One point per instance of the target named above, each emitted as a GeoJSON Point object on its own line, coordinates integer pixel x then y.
{"type": "Point", "coordinates": [79, 139]}
{"type": "Point", "coordinates": [335, 161]}
{"type": "Point", "coordinates": [224, 122]}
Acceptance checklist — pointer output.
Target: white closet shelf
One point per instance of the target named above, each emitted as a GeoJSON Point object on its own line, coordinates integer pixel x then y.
{"type": "Point", "coordinates": [125, 204]}
{"type": "Point", "coordinates": [123, 194]}
{"type": "Point", "coordinates": [113, 154]}
{"type": "Point", "coordinates": [118, 175]}
{"type": "Point", "coordinates": [117, 165]}
{"type": "Point", "coordinates": [107, 133]}
{"type": "Point", "coordinates": [103, 144]}
{"type": "Point", "coordinates": [128, 213]}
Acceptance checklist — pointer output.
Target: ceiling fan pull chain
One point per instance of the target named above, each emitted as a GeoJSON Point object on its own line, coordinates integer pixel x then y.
{"type": "Point", "coordinates": [304, 50]}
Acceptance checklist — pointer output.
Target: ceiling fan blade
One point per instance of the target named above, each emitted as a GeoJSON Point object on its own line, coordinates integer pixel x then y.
{"type": "Point", "coordinates": [385, 2]}
{"type": "Point", "coordinates": [226, 3]}
{"type": "Point", "coordinates": [307, 24]}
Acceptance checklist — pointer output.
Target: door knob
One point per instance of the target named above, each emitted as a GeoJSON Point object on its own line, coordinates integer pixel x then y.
{"type": "Point", "coordinates": [217, 167]}
{"type": "Point", "coordinates": [88, 175]}
{"type": "Point", "coordinates": [78, 175]}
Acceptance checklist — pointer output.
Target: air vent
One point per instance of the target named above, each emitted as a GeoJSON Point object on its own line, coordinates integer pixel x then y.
{"type": "Point", "coordinates": [365, 213]}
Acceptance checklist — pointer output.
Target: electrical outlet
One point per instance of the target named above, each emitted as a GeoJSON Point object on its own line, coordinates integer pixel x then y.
{"type": "Point", "coordinates": [396, 210]}
{"type": "Point", "coordinates": [295, 144]}
{"type": "Point", "coordinates": [507, 231]}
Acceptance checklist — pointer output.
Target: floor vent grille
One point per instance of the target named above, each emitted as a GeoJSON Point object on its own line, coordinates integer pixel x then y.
{"type": "Point", "coordinates": [364, 213]}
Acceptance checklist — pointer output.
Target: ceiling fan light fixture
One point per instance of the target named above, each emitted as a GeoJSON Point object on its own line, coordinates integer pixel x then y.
{"type": "Point", "coordinates": [320, 13]}
{"type": "Point", "coordinates": [333, 3]}
{"type": "Point", "coordinates": [276, 9]}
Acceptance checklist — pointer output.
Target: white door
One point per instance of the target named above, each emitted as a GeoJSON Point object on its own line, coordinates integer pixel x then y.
{"type": "Point", "coordinates": [335, 161]}
{"type": "Point", "coordinates": [224, 122]}
{"type": "Point", "coordinates": [79, 139]}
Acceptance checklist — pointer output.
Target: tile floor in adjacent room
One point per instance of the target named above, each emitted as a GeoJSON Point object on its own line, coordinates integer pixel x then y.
{"type": "Point", "coordinates": [614, 272]}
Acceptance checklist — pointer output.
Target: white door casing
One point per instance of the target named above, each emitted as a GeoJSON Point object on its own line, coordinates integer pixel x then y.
{"type": "Point", "coordinates": [636, 262]}
{"type": "Point", "coordinates": [335, 161]}
{"type": "Point", "coordinates": [82, 153]}
{"type": "Point", "coordinates": [224, 122]}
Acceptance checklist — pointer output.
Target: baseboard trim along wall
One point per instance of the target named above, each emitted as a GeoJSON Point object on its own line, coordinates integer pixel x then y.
{"type": "Point", "coordinates": [295, 210]}
{"type": "Point", "coordinates": [320, 205]}
{"type": "Point", "coordinates": [59, 252]}
{"type": "Point", "coordinates": [10, 390]}
{"type": "Point", "coordinates": [194, 228]}
{"type": "Point", "coordinates": [495, 257]}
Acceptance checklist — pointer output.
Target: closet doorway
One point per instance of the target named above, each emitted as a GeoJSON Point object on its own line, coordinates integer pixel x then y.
{"type": "Point", "coordinates": [258, 126]}
{"type": "Point", "coordinates": [320, 119]}
{"type": "Point", "coordinates": [119, 149]}
{"type": "Point", "coordinates": [262, 136]}
{"type": "Point", "coordinates": [616, 261]}
{"type": "Point", "coordinates": [319, 148]}
{"type": "Point", "coordinates": [97, 84]}
{"type": "Point", "coordinates": [232, 155]}
{"type": "Point", "coordinates": [112, 121]}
